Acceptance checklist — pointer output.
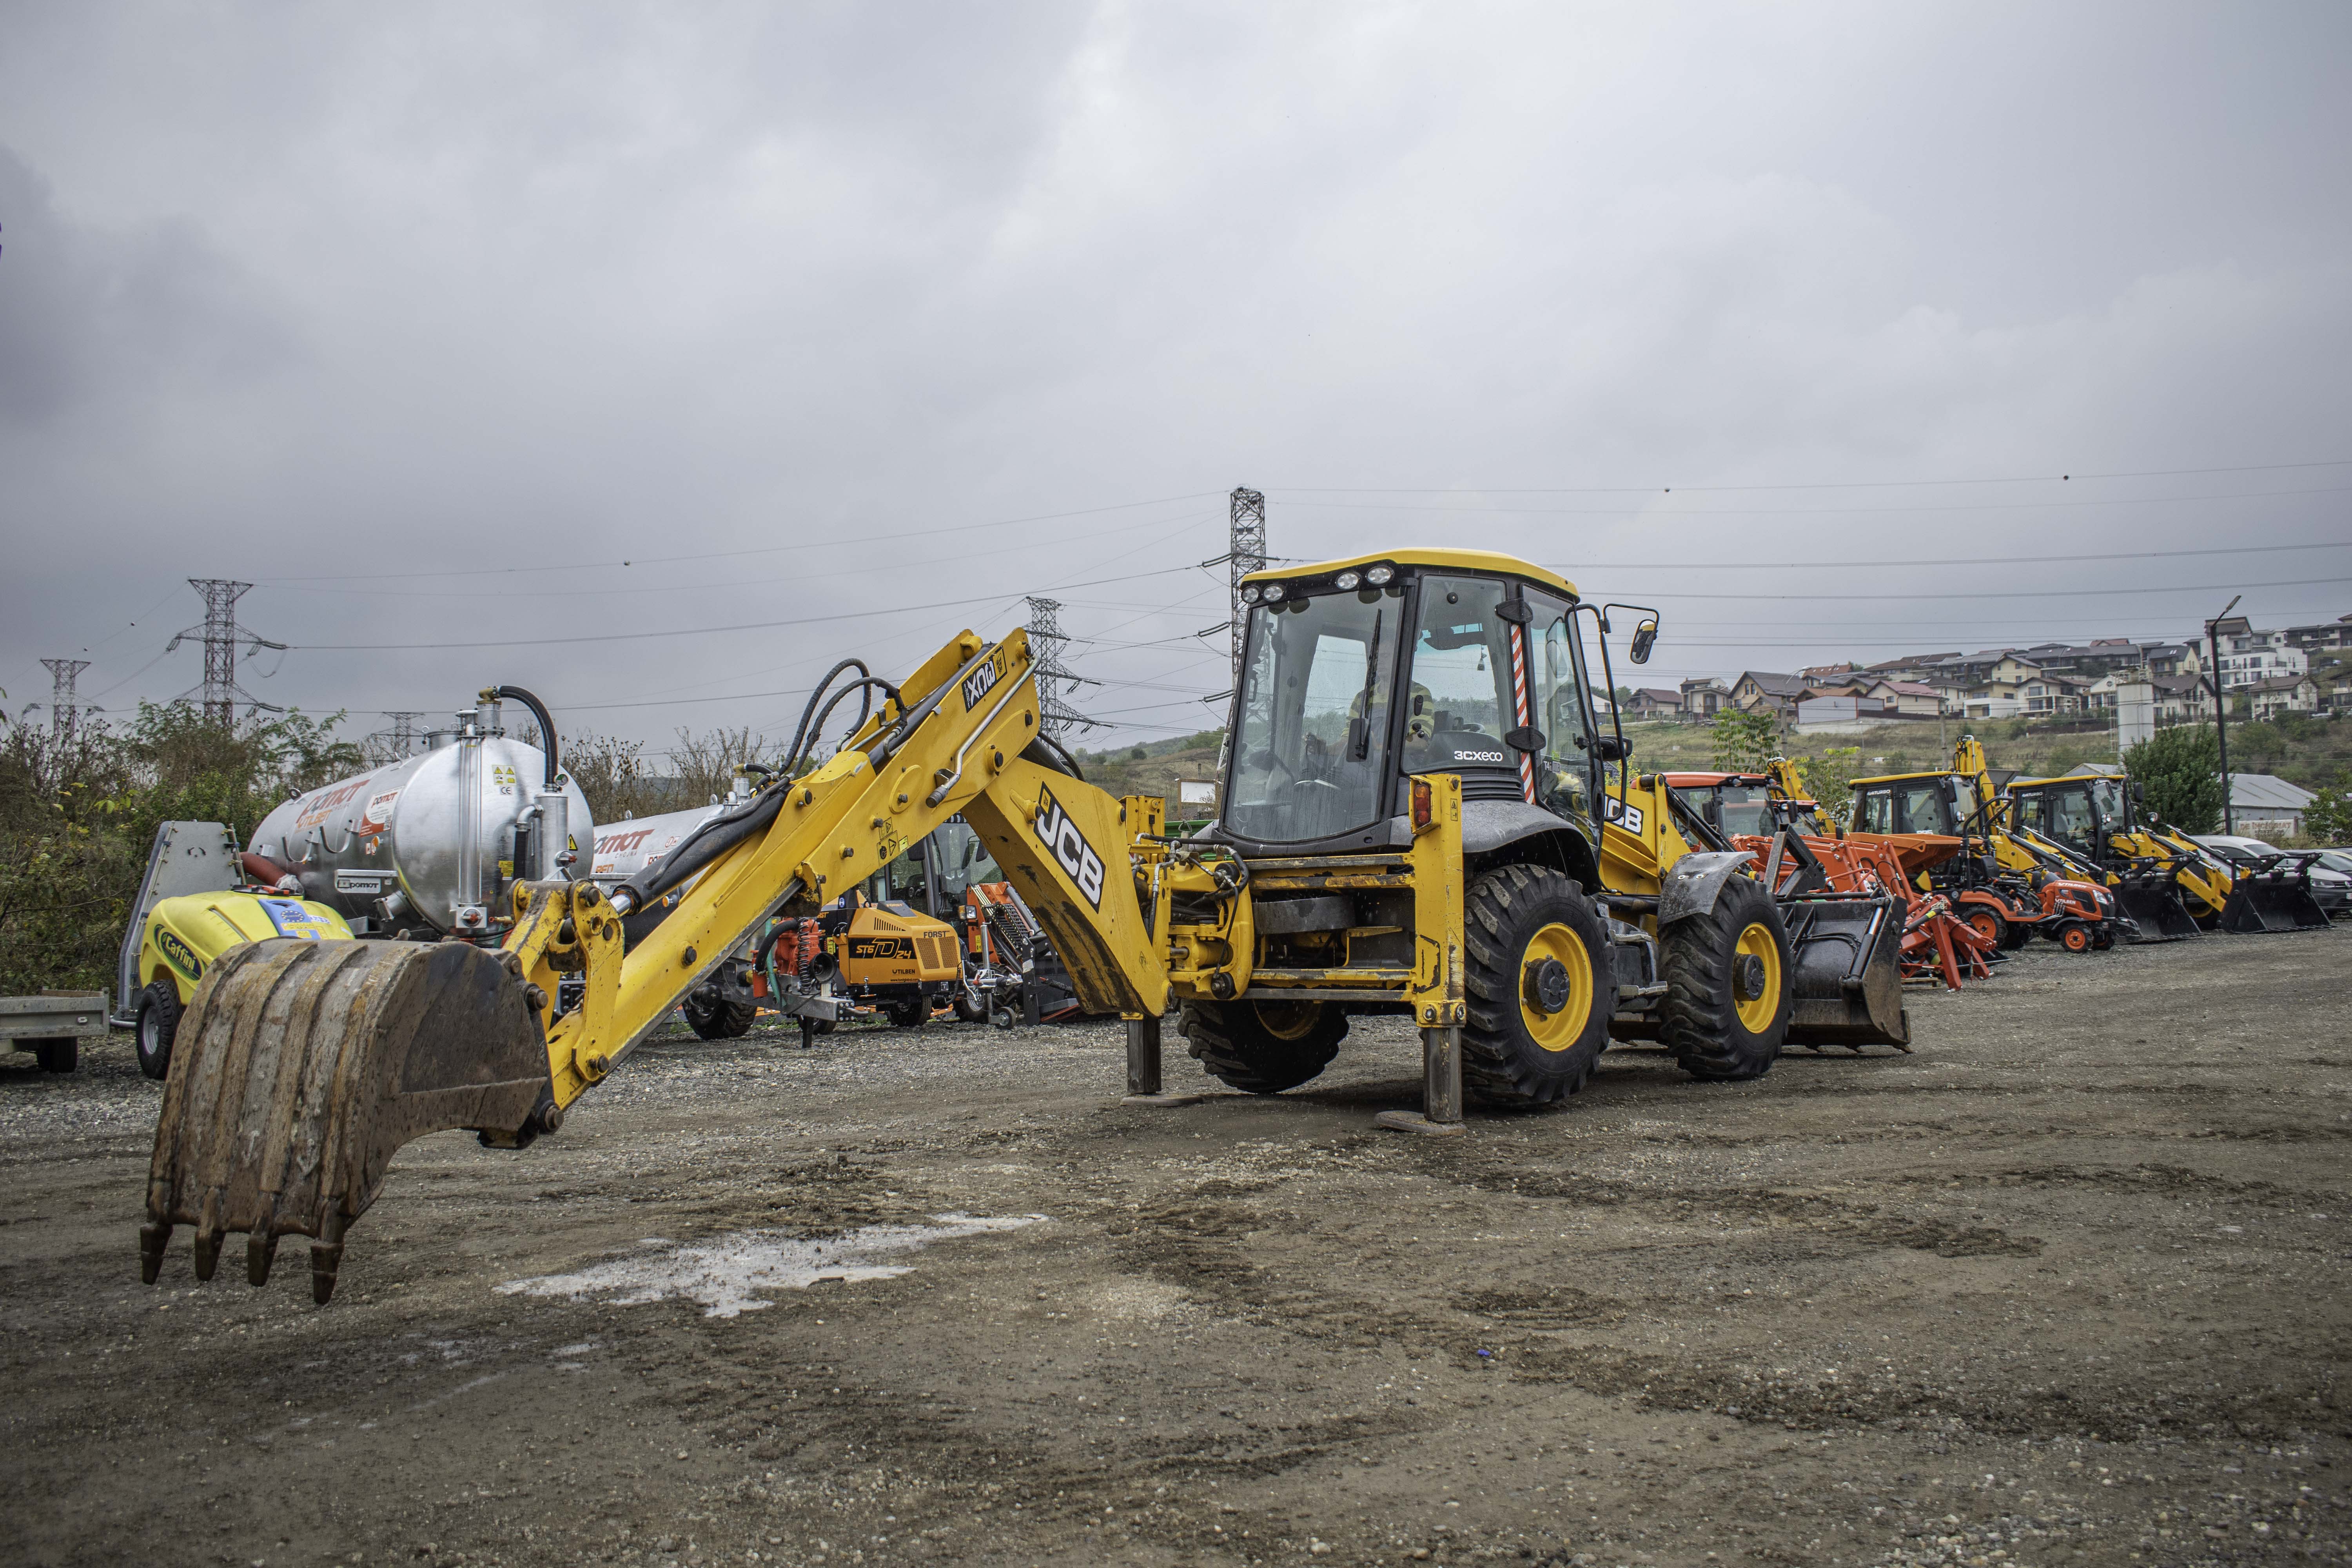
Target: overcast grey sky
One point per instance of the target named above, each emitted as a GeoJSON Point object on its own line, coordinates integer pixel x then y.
{"type": "Point", "coordinates": [424, 318]}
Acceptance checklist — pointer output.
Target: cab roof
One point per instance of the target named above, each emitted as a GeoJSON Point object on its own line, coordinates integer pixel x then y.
{"type": "Point", "coordinates": [1898, 778]}
{"type": "Point", "coordinates": [1482, 563]}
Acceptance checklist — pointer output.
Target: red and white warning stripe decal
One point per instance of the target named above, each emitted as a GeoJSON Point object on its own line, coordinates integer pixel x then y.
{"type": "Point", "coordinates": [1519, 703]}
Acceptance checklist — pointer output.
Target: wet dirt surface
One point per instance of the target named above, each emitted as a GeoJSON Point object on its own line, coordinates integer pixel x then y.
{"type": "Point", "coordinates": [2067, 1286]}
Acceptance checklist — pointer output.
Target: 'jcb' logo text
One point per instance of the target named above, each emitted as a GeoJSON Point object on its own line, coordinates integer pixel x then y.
{"type": "Point", "coordinates": [978, 684]}
{"type": "Point", "coordinates": [1059, 833]}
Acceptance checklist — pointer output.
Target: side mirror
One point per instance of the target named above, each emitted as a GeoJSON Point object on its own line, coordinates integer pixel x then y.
{"type": "Point", "coordinates": [1644, 635]}
{"type": "Point", "coordinates": [2139, 795]}
{"type": "Point", "coordinates": [1610, 749]}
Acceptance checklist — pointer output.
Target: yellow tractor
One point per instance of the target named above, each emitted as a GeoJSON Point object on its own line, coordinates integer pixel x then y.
{"type": "Point", "coordinates": [1421, 817]}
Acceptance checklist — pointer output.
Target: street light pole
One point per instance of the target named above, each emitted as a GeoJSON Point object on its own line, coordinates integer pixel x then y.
{"type": "Point", "coordinates": [2221, 711]}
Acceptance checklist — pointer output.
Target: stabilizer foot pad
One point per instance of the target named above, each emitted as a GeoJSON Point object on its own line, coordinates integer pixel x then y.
{"type": "Point", "coordinates": [1165, 1099]}
{"type": "Point", "coordinates": [1414, 1121]}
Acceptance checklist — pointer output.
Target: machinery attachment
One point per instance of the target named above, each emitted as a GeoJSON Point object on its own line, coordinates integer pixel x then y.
{"type": "Point", "coordinates": [300, 1067]}
{"type": "Point", "coordinates": [2273, 892]}
{"type": "Point", "coordinates": [2149, 896]}
{"type": "Point", "coordinates": [1848, 986]}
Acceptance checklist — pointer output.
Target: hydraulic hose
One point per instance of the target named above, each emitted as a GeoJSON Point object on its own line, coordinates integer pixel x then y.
{"type": "Point", "coordinates": [538, 711]}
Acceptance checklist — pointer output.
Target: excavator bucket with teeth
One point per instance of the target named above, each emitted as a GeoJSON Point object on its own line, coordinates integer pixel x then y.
{"type": "Point", "coordinates": [301, 1067]}
{"type": "Point", "coordinates": [2273, 893]}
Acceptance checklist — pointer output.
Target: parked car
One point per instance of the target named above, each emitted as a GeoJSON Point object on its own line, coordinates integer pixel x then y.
{"type": "Point", "coordinates": [2331, 872]}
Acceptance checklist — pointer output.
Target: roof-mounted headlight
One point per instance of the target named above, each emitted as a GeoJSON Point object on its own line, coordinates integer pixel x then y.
{"type": "Point", "coordinates": [1345, 581]}
{"type": "Point", "coordinates": [1379, 576]}
{"type": "Point", "coordinates": [1274, 593]}
{"type": "Point", "coordinates": [1249, 595]}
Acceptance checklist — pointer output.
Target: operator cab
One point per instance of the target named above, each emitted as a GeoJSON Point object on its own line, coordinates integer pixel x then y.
{"type": "Point", "coordinates": [1357, 675]}
{"type": "Point", "coordinates": [1942, 804]}
{"type": "Point", "coordinates": [2083, 813]}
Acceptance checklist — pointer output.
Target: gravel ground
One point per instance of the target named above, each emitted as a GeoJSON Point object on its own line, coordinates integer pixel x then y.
{"type": "Point", "coordinates": [2066, 1286]}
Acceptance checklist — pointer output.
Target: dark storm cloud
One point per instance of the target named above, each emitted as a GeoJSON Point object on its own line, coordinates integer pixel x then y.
{"type": "Point", "coordinates": [330, 299]}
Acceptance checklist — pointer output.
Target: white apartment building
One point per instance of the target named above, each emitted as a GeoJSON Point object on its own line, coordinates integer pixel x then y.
{"type": "Point", "coordinates": [2247, 655]}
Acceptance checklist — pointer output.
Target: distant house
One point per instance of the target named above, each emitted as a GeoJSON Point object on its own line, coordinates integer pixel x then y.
{"type": "Point", "coordinates": [1911, 698]}
{"type": "Point", "coordinates": [1651, 703]}
{"type": "Point", "coordinates": [2175, 658]}
{"type": "Point", "coordinates": [2334, 634]}
{"type": "Point", "coordinates": [2181, 700]}
{"type": "Point", "coordinates": [1704, 697]}
{"type": "Point", "coordinates": [1911, 667]}
{"type": "Point", "coordinates": [1763, 692]}
{"type": "Point", "coordinates": [2281, 694]}
{"type": "Point", "coordinates": [2049, 695]}
{"type": "Point", "coordinates": [1829, 674]}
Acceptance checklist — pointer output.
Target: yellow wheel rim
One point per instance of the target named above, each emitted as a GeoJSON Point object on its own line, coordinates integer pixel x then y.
{"type": "Point", "coordinates": [1288, 1020]}
{"type": "Point", "coordinates": [1557, 1031]}
{"type": "Point", "coordinates": [1756, 1012]}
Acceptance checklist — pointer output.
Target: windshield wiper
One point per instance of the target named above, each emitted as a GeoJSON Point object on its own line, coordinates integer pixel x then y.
{"type": "Point", "coordinates": [1363, 745]}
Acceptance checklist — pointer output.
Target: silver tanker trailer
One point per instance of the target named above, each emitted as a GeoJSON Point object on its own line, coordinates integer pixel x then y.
{"type": "Point", "coordinates": [429, 845]}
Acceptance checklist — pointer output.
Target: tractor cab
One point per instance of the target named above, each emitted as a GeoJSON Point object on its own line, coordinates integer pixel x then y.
{"type": "Point", "coordinates": [1356, 676]}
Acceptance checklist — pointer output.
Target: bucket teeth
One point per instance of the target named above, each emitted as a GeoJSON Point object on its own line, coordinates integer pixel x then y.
{"type": "Point", "coordinates": [301, 1069]}
{"type": "Point", "coordinates": [153, 1239]}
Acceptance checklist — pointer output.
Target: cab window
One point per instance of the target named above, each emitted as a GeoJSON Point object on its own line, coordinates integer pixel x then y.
{"type": "Point", "coordinates": [1875, 811]}
{"type": "Point", "coordinates": [2032, 813]}
{"type": "Point", "coordinates": [1919, 807]}
{"type": "Point", "coordinates": [2070, 817]}
{"type": "Point", "coordinates": [1456, 708]}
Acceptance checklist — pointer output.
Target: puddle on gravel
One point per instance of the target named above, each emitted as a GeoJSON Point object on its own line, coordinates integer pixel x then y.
{"type": "Point", "coordinates": [727, 1275]}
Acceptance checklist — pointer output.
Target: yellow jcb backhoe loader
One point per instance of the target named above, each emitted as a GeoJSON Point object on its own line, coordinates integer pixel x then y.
{"type": "Point", "coordinates": [1419, 816]}
{"type": "Point", "coordinates": [2091, 820]}
{"type": "Point", "coordinates": [2105, 821]}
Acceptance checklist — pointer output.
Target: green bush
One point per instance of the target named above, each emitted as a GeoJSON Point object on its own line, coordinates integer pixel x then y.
{"type": "Point", "coordinates": [79, 813]}
{"type": "Point", "coordinates": [2327, 821]}
{"type": "Point", "coordinates": [2181, 770]}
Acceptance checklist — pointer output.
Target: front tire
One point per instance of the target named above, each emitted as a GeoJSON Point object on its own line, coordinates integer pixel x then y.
{"type": "Point", "coordinates": [159, 1026]}
{"type": "Point", "coordinates": [1727, 970]}
{"type": "Point", "coordinates": [908, 1013]}
{"type": "Point", "coordinates": [1539, 984]}
{"type": "Point", "coordinates": [721, 1020]}
{"type": "Point", "coordinates": [1264, 1047]}
{"type": "Point", "coordinates": [2072, 935]}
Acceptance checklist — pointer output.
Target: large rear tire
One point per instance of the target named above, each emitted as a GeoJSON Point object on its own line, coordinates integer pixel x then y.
{"type": "Point", "coordinates": [1989, 924]}
{"type": "Point", "coordinates": [159, 1026]}
{"type": "Point", "coordinates": [1540, 984]}
{"type": "Point", "coordinates": [1726, 1005]}
{"type": "Point", "coordinates": [1264, 1047]}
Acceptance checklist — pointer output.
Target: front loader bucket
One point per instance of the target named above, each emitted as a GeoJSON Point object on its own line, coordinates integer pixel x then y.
{"type": "Point", "coordinates": [2153, 904]}
{"type": "Point", "coordinates": [2274, 898]}
{"type": "Point", "coordinates": [1848, 986]}
{"type": "Point", "coordinates": [300, 1067]}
